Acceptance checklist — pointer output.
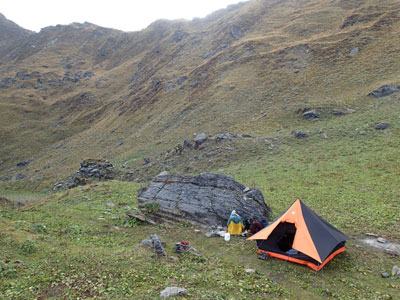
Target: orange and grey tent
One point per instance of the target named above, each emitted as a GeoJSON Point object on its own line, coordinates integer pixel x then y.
{"type": "Point", "coordinates": [299, 235]}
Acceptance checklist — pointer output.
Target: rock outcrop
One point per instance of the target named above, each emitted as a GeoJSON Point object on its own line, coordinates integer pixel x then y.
{"type": "Point", "coordinates": [99, 169]}
{"type": "Point", "coordinates": [384, 91]}
{"type": "Point", "coordinates": [206, 199]}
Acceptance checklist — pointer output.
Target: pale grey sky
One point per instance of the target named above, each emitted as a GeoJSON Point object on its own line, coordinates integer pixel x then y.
{"type": "Point", "coordinates": [124, 15]}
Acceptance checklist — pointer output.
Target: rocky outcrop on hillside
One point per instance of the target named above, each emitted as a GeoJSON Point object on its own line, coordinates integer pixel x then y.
{"type": "Point", "coordinates": [90, 169]}
{"type": "Point", "coordinates": [384, 91]}
{"type": "Point", "coordinates": [206, 199]}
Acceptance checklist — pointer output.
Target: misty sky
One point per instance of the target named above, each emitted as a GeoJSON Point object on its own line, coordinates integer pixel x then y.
{"type": "Point", "coordinates": [127, 15]}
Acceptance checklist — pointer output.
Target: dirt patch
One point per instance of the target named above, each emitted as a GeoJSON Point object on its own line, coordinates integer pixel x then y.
{"type": "Point", "coordinates": [390, 248]}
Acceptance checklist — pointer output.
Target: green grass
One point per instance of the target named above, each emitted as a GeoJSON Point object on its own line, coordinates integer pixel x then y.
{"type": "Point", "coordinates": [69, 253]}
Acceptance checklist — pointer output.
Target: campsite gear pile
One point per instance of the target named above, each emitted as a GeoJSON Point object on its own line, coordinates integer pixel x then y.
{"type": "Point", "coordinates": [183, 247]}
{"type": "Point", "coordinates": [299, 235]}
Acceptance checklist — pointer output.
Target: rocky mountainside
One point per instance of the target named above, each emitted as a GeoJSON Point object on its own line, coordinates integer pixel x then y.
{"type": "Point", "coordinates": [76, 91]}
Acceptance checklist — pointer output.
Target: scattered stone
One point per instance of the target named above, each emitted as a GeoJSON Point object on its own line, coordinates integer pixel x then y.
{"type": "Point", "coordinates": [140, 217]}
{"type": "Point", "coordinates": [208, 54]}
{"type": "Point", "coordinates": [385, 275]}
{"type": "Point", "coordinates": [154, 242]}
{"type": "Point", "coordinates": [204, 199]}
{"type": "Point", "coordinates": [19, 177]}
{"type": "Point", "coordinates": [187, 144]}
{"type": "Point", "coordinates": [212, 153]}
{"type": "Point", "coordinates": [300, 135]}
{"type": "Point", "coordinates": [362, 132]}
{"type": "Point", "coordinates": [351, 111]}
{"type": "Point", "coordinates": [173, 291]}
{"type": "Point", "coordinates": [246, 136]}
{"type": "Point", "coordinates": [121, 142]}
{"type": "Point", "coordinates": [23, 163]}
{"type": "Point", "coordinates": [5, 178]}
{"type": "Point", "coordinates": [311, 115]}
{"type": "Point", "coordinates": [324, 136]}
{"type": "Point", "coordinates": [199, 139]}
{"type": "Point", "coordinates": [250, 271]}
{"type": "Point", "coordinates": [384, 91]}
{"type": "Point", "coordinates": [19, 204]}
{"type": "Point", "coordinates": [371, 234]}
{"type": "Point", "coordinates": [110, 204]}
{"type": "Point", "coordinates": [395, 271]}
{"type": "Point", "coordinates": [146, 161]}
{"type": "Point", "coordinates": [382, 126]}
{"type": "Point", "coordinates": [382, 240]}
{"type": "Point", "coordinates": [18, 261]}
{"type": "Point", "coordinates": [181, 80]}
{"type": "Point", "coordinates": [354, 51]}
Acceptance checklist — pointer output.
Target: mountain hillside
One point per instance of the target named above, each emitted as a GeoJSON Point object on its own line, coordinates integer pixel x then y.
{"type": "Point", "coordinates": [75, 91]}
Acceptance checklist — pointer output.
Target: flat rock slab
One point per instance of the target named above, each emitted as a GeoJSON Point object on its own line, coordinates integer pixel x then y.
{"type": "Point", "coordinates": [206, 199]}
{"type": "Point", "coordinates": [173, 291]}
{"type": "Point", "coordinates": [390, 248]}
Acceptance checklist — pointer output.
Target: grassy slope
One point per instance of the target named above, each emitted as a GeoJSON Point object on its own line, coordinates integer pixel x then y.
{"type": "Point", "coordinates": [67, 252]}
{"type": "Point", "coordinates": [305, 62]}
{"type": "Point", "coordinates": [351, 180]}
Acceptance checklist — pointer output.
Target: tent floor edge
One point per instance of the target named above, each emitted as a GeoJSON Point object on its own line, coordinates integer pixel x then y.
{"type": "Point", "coordinates": [303, 262]}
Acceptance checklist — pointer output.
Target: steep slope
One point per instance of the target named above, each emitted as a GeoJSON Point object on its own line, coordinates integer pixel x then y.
{"type": "Point", "coordinates": [70, 92]}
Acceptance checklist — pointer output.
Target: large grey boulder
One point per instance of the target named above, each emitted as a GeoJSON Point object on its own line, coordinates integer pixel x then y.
{"type": "Point", "coordinates": [206, 199]}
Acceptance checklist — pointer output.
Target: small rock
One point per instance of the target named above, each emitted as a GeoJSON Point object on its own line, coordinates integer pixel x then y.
{"type": "Point", "coordinates": [110, 204]}
{"type": "Point", "coordinates": [351, 111]}
{"type": "Point", "coordinates": [197, 231]}
{"type": "Point", "coordinates": [246, 136]}
{"type": "Point", "coordinates": [301, 135]}
{"type": "Point", "coordinates": [163, 173]}
{"type": "Point", "coordinates": [382, 240]}
{"type": "Point", "coordinates": [19, 204]}
{"type": "Point", "coordinates": [382, 126]}
{"type": "Point", "coordinates": [354, 51]}
{"type": "Point", "coordinates": [213, 153]}
{"type": "Point", "coordinates": [173, 291]}
{"type": "Point", "coordinates": [121, 142]}
{"type": "Point", "coordinates": [250, 271]}
{"type": "Point", "coordinates": [154, 242]}
{"type": "Point", "coordinates": [385, 275]}
{"type": "Point", "coordinates": [395, 271]}
{"type": "Point", "coordinates": [199, 139]}
{"type": "Point", "coordinates": [187, 144]}
{"type": "Point", "coordinates": [18, 261]}
{"type": "Point", "coordinates": [362, 133]}
{"type": "Point", "coordinates": [173, 258]}
{"type": "Point", "coordinates": [100, 218]}
{"type": "Point", "coordinates": [371, 234]}
{"type": "Point", "coordinates": [146, 161]}
{"type": "Point", "coordinates": [311, 115]}
{"type": "Point", "coordinates": [23, 163]}
{"type": "Point", "coordinates": [324, 136]}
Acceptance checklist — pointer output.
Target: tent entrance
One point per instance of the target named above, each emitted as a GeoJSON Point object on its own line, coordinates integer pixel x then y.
{"type": "Point", "coordinates": [285, 239]}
